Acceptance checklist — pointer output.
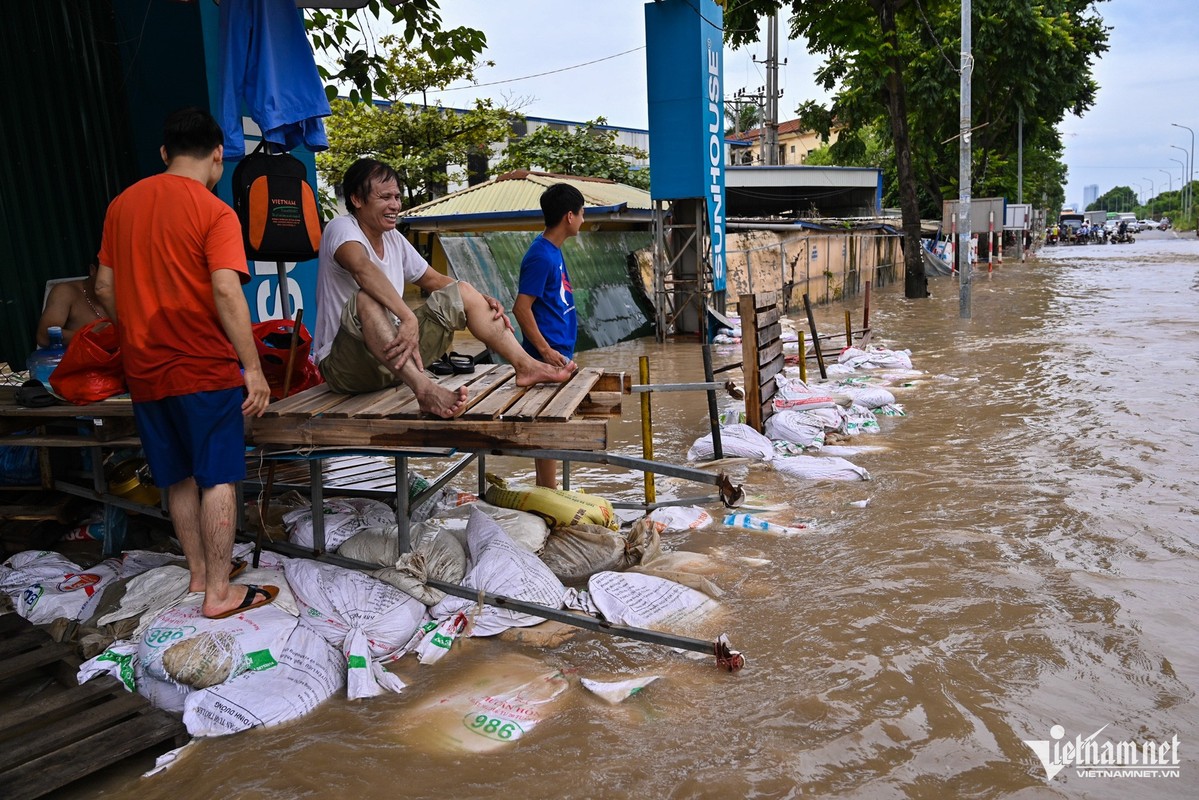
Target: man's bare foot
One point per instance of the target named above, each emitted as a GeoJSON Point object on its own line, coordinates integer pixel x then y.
{"type": "Point", "coordinates": [440, 402]}
{"type": "Point", "coordinates": [541, 372]}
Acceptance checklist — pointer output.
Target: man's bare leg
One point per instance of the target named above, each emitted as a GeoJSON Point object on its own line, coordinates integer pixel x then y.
{"type": "Point", "coordinates": [378, 331]}
{"type": "Point", "coordinates": [183, 501]}
{"type": "Point", "coordinates": [492, 332]}
{"type": "Point", "coordinates": [218, 520]}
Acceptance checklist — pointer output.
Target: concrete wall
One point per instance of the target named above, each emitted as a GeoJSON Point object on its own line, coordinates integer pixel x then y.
{"type": "Point", "coordinates": [826, 266]}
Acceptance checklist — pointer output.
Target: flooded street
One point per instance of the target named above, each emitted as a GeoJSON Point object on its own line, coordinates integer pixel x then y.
{"type": "Point", "coordinates": [1029, 557]}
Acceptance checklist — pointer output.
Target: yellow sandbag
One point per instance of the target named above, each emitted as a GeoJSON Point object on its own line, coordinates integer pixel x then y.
{"type": "Point", "coordinates": [556, 506]}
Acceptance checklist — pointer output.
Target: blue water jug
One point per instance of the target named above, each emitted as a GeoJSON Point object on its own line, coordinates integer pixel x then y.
{"type": "Point", "coordinates": [42, 361]}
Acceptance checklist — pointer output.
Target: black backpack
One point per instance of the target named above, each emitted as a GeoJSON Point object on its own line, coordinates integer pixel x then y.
{"type": "Point", "coordinates": [276, 206]}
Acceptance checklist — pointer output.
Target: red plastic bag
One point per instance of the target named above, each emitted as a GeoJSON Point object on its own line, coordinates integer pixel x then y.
{"type": "Point", "coordinates": [91, 369]}
{"type": "Point", "coordinates": [272, 337]}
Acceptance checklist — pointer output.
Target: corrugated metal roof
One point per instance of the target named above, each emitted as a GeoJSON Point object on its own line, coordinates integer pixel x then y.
{"type": "Point", "coordinates": [521, 191]}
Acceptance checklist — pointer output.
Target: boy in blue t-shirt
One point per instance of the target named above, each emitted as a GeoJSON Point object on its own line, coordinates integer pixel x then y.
{"type": "Point", "coordinates": [545, 306]}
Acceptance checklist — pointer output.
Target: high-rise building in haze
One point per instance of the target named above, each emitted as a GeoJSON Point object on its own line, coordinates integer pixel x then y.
{"type": "Point", "coordinates": [1090, 193]}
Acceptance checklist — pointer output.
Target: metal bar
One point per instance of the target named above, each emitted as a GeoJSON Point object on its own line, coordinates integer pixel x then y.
{"type": "Point", "coordinates": [678, 387]}
{"type": "Point", "coordinates": [731, 660]}
{"type": "Point", "coordinates": [316, 480]}
{"type": "Point", "coordinates": [66, 487]}
{"type": "Point", "coordinates": [647, 432]}
{"type": "Point", "coordinates": [807, 304]}
{"type": "Point", "coordinates": [713, 414]}
{"type": "Point", "coordinates": [731, 495]}
{"type": "Point", "coordinates": [402, 522]}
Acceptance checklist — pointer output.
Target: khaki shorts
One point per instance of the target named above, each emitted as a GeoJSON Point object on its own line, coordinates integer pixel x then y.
{"type": "Point", "coordinates": [350, 367]}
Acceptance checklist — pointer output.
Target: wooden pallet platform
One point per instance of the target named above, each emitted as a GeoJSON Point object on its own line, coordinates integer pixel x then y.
{"type": "Point", "coordinates": [62, 731]}
{"type": "Point", "coordinates": [572, 415]}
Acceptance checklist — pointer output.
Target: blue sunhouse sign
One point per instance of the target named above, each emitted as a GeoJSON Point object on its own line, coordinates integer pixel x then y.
{"type": "Point", "coordinates": [684, 48]}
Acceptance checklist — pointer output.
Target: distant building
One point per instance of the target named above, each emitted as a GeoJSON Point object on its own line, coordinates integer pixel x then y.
{"type": "Point", "coordinates": [794, 145]}
{"type": "Point", "coordinates": [1090, 193]}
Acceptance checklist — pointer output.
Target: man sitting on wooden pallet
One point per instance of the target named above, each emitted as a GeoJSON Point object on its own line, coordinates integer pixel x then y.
{"type": "Point", "coordinates": [366, 336]}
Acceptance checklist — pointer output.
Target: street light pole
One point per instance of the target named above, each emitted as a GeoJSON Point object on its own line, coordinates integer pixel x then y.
{"type": "Point", "coordinates": [1182, 179]}
{"type": "Point", "coordinates": [1190, 168]}
{"type": "Point", "coordinates": [1170, 178]}
{"type": "Point", "coordinates": [1152, 191]}
{"type": "Point", "coordinates": [1140, 190]}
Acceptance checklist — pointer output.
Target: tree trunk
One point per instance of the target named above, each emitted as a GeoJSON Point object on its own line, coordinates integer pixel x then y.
{"type": "Point", "coordinates": [915, 282]}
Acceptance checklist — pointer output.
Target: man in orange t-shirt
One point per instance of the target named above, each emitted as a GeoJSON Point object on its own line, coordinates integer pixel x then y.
{"type": "Point", "coordinates": [171, 270]}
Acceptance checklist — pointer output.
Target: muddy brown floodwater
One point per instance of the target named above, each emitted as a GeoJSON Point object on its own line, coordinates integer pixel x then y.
{"type": "Point", "coordinates": [1028, 559]}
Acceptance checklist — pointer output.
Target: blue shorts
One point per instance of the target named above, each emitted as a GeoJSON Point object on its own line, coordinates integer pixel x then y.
{"type": "Point", "coordinates": [197, 436]}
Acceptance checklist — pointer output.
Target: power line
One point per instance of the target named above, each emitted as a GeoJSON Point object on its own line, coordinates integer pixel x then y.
{"type": "Point", "coordinates": [538, 74]}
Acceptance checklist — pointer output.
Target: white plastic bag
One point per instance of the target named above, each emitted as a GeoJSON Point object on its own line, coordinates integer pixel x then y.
{"type": "Point", "coordinates": [679, 518]}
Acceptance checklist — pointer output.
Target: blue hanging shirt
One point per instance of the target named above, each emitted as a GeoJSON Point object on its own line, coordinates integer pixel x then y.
{"type": "Point", "coordinates": [266, 60]}
{"type": "Point", "coordinates": [543, 276]}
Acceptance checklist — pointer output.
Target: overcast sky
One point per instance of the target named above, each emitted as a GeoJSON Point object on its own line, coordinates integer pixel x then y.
{"type": "Point", "coordinates": [1149, 78]}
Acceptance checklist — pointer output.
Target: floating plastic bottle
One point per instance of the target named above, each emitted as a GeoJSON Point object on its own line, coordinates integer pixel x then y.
{"type": "Point", "coordinates": [753, 523]}
{"type": "Point", "coordinates": [42, 361]}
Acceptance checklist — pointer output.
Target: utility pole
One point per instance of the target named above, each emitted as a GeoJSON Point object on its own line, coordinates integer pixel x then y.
{"type": "Point", "coordinates": [967, 69]}
{"type": "Point", "coordinates": [1020, 158]}
{"type": "Point", "coordinates": [770, 115]}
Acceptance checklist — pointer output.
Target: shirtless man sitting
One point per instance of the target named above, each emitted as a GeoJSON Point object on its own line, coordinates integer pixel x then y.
{"type": "Point", "coordinates": [366, 337]}
{"type": "Point", "coordinates": [70, 306]}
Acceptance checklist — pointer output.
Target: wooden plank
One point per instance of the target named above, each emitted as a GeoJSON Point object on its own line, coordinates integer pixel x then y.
{"type": "Point", "coordinates": [484, 386]}
{"type": "Point", "coordinates": [23, 640]}
{"type": "Point", "coordinates": [297, 400]}
{"type": "Point", "coordinates": [48, 653]}
{"type": "Point", "coordinates": [562, 407]}
{"type": "Point", "coordinates": [578, 434]}
{"type": "Point", "coordinates": [317, 404]}
{"type": "Point", "coordinates": [764, 300]}
{"type": "Point", "coordinates": [615, 382]}
{"type": "Point", "coordinates": [359, 404]}
{"type": "Point", "coordinates": [767, 353]}
{"type": "Point", "coordinates": [36, 743]}
{"type": "Point", "coordinates": [495, 403]}
{"type": "Point", "coordinates": [105, 408]}
{"type": "Point", "coordinates": [412, 407]}
{"type": "Point", "coordinates": [600, 404]}
{"type": "Point", "coordinates": [50, 440]}
{"type": "Point", "coordinates": [43, 775]}
{"type": "Point", "coordinates": [767, 373]}
{"type": "Point", "coordinates": [749, 360]}
{"type": "Point", "coordinates": [770, 333]}
{"type": "Point", "coordinates": [531, 402]}
{"type": "Point", "coordinates": [39, 712]}
{"type": "Point", "coordinates": [767, 318]}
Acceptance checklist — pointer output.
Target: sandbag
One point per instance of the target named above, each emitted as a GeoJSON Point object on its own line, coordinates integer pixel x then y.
{"type": "Point", "coordinates": [796, 427]}
{"type": "Point", "coordinates": [344, 516]}
{"type": "Point", "coordinates": [577, 552]}
{"type": "Point", "coordinates": [500, 566]}
{"type": "Point", "coordinates": [646, 601]}
{"type": "Point", "coordinates": [526, 529]}
{"type": "Point", "coordinates": [874, 357]}
{"type": "Point", "coordinates": [556, 506]}
{"type": "Point", "coordinates": [309, 671]}
{"type": "Point", "coordinates": [45, 585]}
{"type": "Point", "coordinates": [435, 554]}
{"type": "Point", "coordinates": [735, 440]}
{"type": "Point", "coordinates": [184, 646]}
{"type": "Point", "coordinates": [821, 468]}
{"type": "Point", "coordinates": [366, 619]}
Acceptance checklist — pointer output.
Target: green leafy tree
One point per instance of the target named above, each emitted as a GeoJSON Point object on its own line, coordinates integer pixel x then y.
{"type": "Point", "coordinates": [428, 145]}
{"type": "Point", "coordinates": [349, 55]}
{"type": "Point", "coordinates": [896, 61]}
{"type": "Point", "coordinates": [741, 117]}
{"type": "Point", "coordinates": [590, 150]}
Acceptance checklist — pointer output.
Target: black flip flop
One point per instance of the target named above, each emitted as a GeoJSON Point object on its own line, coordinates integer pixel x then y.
{"type": "Point", "coordinates": [33, 394]}
{"type": "Point", "coordinates": [256, 597]}
{"type": "Point", "coordinates": [462, 365]}
{"type": "Point", "coordinates": [442, 366]}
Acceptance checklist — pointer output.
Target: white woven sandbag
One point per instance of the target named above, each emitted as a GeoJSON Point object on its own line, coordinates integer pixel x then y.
{"type": "Point", "coordinates": [647, 601]}
{"type": "Point", "coordinates": [735, 440]}
{"type": "Point", "coordinates": [500, 566]}
{"type": "Point", "coordinates": [45, 586]}
{"type": "Point", "coordinates": [871, 397]}
{"type": "Point", "coordinates": [821, 468]}
{"type": "Point", "coordinates": [367, 620]}
{"type": "Point", "coordinates": [797, 427]}
{"type": "Point", "coordinates": [679, 518]}
{"type": "Point", "coordinates": [344, 517]}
